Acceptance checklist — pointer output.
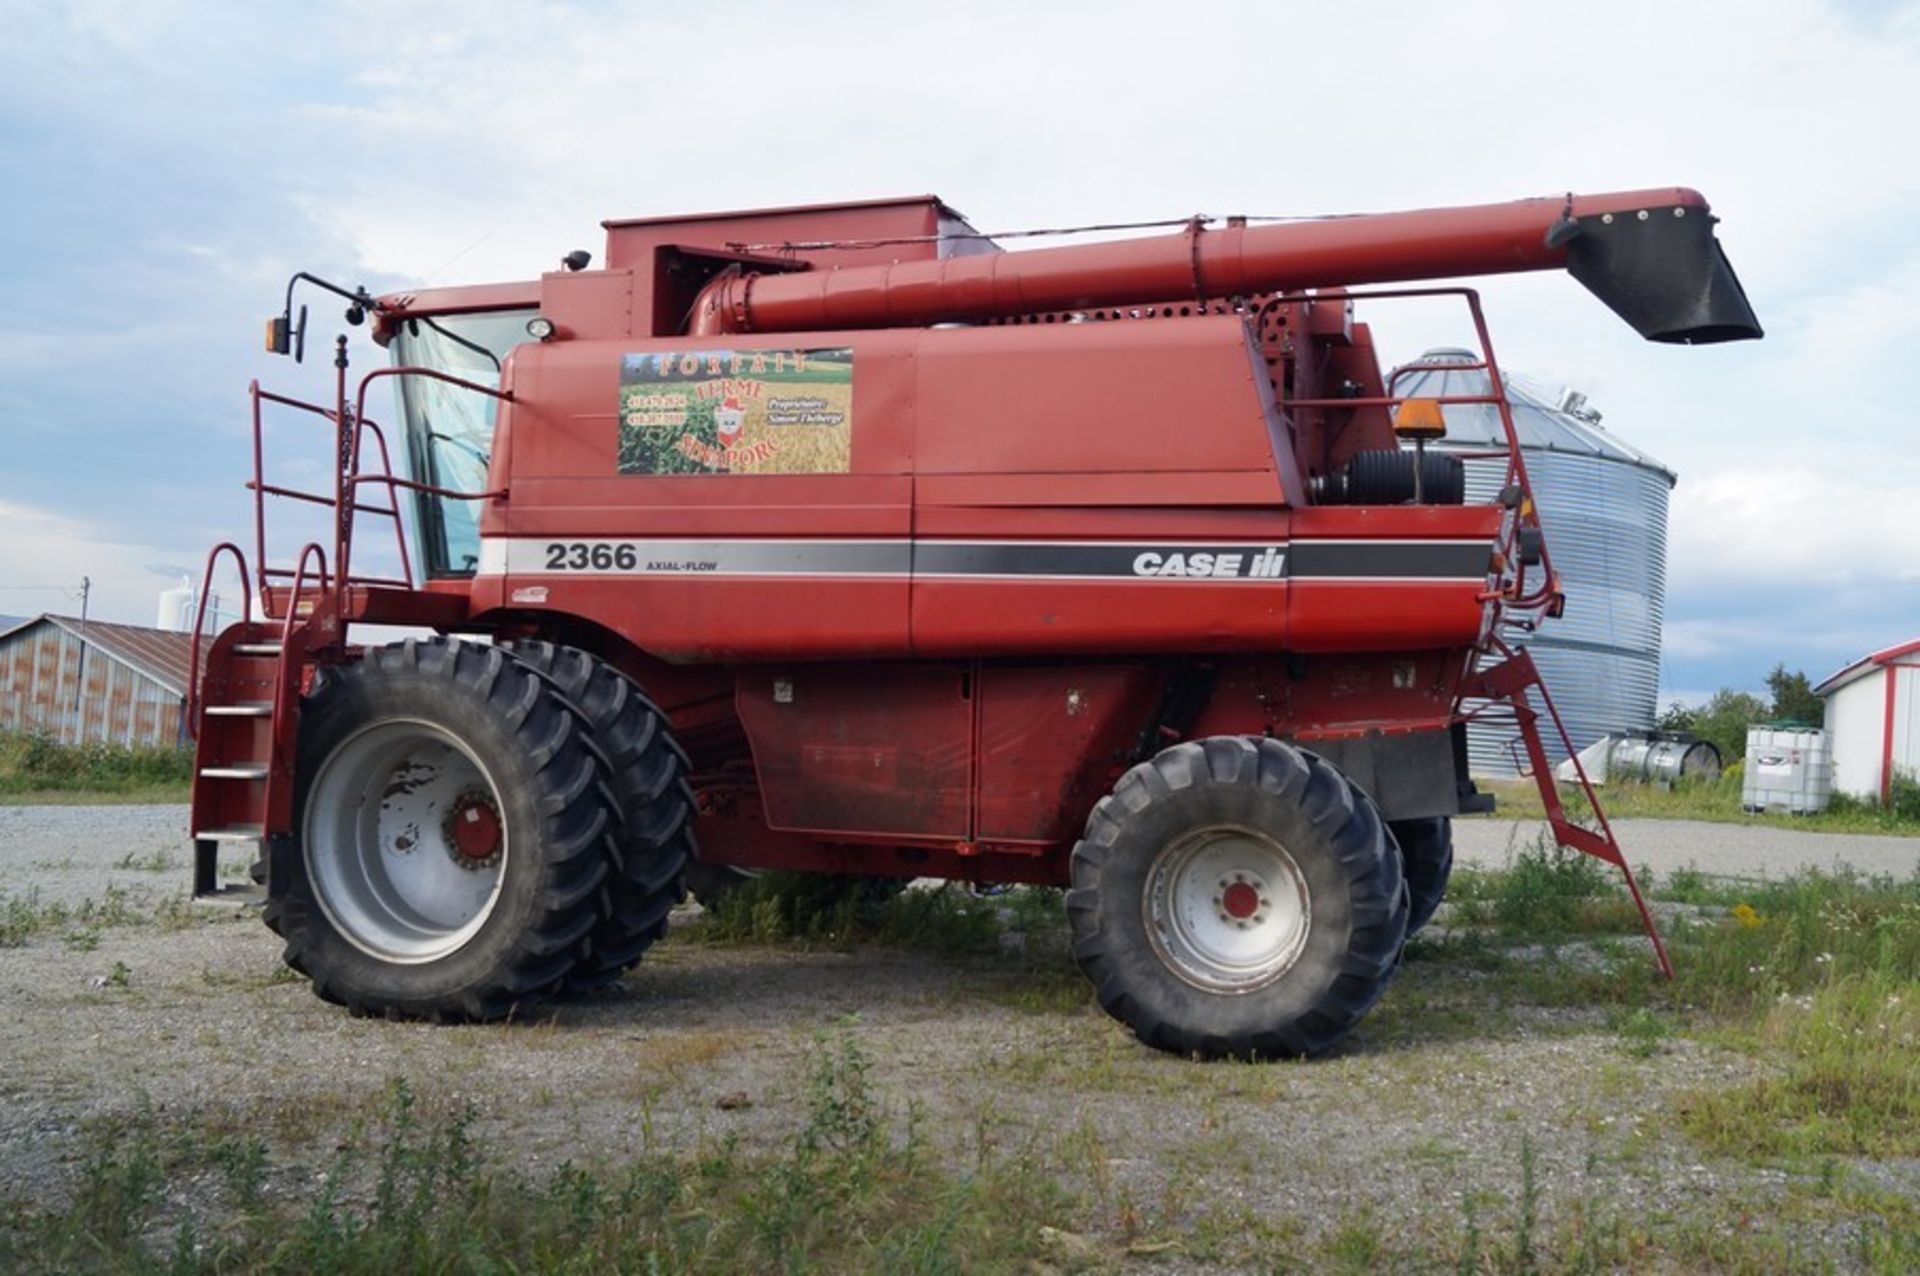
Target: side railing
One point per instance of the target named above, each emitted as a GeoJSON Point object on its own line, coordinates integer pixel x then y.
{"type": "Point", "coordinates": [352, 429]}
{"type": "Point", "coordinates": [1513, 593]}
{"type": "Point", "coordinates": [193, 702]}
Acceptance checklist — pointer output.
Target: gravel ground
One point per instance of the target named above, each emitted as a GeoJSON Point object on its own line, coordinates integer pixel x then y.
{"type": "Point", "coordinates": [1726, 850]}
{"type": "Point", "coordinates": [193, 1016]}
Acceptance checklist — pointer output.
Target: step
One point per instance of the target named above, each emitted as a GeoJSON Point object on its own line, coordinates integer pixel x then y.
{"type": "Point", "coordinates": [232, 833]}
{"type": "Point", "coordinates": [247, 771]}
{"type": "Point", "coordinates": [245, 709]}
{"type": "Point", "coordinates": [256, 648]}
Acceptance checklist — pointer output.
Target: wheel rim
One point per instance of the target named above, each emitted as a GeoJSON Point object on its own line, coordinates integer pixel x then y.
{"type": "Point", "coordinates": [1227, 909]}
{"type": "Point", "coordinates": [405, 842]}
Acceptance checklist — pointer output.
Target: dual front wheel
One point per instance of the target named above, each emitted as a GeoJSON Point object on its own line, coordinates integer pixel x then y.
{"type": "Point", "coordinates": [477, 827]}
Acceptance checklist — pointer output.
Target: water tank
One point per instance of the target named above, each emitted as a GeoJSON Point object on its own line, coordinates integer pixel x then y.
{"type": "Point", "coordinates": [1788, 769]}
{"type": "Point", "coordinates": [176, 609]}
{"type": "Point", "coordinates": [1603, 505]}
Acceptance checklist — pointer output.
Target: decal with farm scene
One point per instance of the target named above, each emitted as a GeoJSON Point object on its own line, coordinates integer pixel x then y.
{"type": "Point", "coordinates": [737, 412]}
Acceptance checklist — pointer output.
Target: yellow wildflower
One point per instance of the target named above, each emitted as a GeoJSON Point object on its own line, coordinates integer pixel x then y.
{"type": "Point", "coordinates": [1744, 914]}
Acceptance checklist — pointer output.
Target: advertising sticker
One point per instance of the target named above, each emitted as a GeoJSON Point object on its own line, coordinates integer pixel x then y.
{"type": "Point", "coordinates": [737, 412]}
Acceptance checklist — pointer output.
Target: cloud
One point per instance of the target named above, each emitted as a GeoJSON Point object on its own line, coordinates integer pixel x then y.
{"type": "Point", "coordinates": [40, 547]}
{"type": "Point", "coordinates": [1793, 528]}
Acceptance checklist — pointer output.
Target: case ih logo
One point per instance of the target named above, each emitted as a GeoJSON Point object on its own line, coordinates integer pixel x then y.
{"type": "Point", "coordinates": [1267, 562]}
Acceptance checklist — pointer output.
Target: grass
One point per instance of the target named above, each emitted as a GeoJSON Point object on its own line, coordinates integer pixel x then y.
{"type": "Point", "coordinates": [24, 917]}
{"type": "Point", "coordinates": [1815, 978]}
{"type": "Point", "coordinates": [1719, 802]}
{"type": "Point", "coordinates": [808, 908]}
{"type": "Point", "coordinates": [35, 769]}
{"type": "Point", "coordinates": [857, 1188]}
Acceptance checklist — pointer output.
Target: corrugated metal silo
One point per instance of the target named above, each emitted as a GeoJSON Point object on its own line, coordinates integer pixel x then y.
{"type": "Point", "coordinates": [1603, 505]}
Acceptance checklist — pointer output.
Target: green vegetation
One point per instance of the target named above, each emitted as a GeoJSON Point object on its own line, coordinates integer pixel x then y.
{"type": "Point", "coordinates": [1723, 720]}
{"type": "Point", "coordinates": [1719, 803]}
{"type": "Point", "coordinates": [35, 768]}
{"type": "Point", "coordinates": [838, 911]}
{"type": "Point", "coordinates": [23, 917]}
{"type": "Point", "coordinates": [858, 1188]}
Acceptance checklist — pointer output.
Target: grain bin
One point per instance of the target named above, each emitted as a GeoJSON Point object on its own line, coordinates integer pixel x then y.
{"type": "Point", "coordinates": [1603, 504]}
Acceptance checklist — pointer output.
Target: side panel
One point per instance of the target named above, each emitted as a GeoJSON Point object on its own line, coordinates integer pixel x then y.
{"type": "Point", "coordinates": [1051, 742]}
{"type": "Point", "coordinates": [993, 757]}
{"type": "Point", "coordinates": [1069, 474]}
{"type": "Point", "coordinates": [705, 566]}
{"type": "Point", "coordinates": [861, 750]}
{"type": "Point", "coordinates": [1389, 578]}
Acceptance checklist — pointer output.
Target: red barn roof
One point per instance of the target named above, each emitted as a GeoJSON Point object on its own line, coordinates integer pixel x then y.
{"type": "Point", "coordinates": [1866, 664]}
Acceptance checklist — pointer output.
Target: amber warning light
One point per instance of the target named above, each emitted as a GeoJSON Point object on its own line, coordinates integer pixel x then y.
{"type": "Point", "coordinates": [285, 335]}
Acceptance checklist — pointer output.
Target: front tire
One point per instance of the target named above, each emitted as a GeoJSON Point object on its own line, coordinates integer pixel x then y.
{"type": "Point", "coordinates": [1237, 896]}
{"type": "Point", "coordinates": [450, 835]}
{"type": "Point", "coordinates": [655, 836]}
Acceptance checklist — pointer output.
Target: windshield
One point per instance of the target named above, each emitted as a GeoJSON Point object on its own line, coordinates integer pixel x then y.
{"type": "Point", "coordinates": [449, 429]}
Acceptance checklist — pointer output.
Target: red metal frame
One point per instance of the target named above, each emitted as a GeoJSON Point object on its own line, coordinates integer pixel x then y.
{"type": "Point", "coordinates": [383, 595]}
{"type": "Point", "coordinates": [958, 447]}
{"type": "Point", "coordinates": [200, 623]}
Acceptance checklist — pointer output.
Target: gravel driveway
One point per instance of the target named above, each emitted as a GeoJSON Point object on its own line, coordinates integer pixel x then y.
{"type": "Point", "coordinates": [190, 1013]}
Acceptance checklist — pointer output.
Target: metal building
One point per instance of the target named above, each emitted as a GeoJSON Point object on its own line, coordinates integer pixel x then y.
{"type": "Point", "coordinates": [1603, 504]}
{"type": "Point", "coordinates": [1873, 716]}
{"type": "Point", "coordinates": [92, 681]}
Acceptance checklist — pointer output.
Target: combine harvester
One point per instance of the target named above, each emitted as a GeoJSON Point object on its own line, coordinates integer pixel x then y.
{"type": "Point", "coordinates": [836, 539]}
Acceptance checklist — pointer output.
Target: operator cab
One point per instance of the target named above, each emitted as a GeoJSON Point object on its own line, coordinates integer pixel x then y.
{"type": "Point", "coordinates": [449, 429]}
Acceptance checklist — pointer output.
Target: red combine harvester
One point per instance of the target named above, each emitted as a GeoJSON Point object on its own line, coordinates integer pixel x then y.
{"type": "Point", "coordinates": [837, 539]}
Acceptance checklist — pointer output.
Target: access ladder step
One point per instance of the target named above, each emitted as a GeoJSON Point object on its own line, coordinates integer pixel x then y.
{"type": "Point", "coordinates": [249, 771]}
{"type": "Point", "coordinates": [232, 833]}
{"type": "Point", "coordinates": [245, 709]}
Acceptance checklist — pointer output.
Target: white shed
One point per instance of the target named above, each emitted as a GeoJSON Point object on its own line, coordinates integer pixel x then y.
{"type": "Point", "coordinates": [1873, 717]}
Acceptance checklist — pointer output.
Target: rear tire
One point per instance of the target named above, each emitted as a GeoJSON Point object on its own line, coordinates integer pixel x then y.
{"type": "Point", "coordinates": [450, 835]}
{"type": "Point", "coordinates": [1237, 896]}
{"type": "Point", "coordinates": [1426, 848]}
{"type": "Point", "coordinates": [655, 837]}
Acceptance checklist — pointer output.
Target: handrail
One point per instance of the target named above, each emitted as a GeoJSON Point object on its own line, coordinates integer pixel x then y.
{"type": "Point", "coordinates": [192, 706]}
{"type": "Point", "coordinates": [310, 550]}
{"type": "Point", "coordinates": [393, 497]}
{"type": "Point", "coordinates": [492, 493]}
{"type": "Point", "coordinates": [1514, 594]}
{"type": "Point", "coordinates": [351, 477]}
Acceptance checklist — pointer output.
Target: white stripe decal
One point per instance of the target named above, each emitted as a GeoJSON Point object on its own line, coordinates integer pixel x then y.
{"type": "Point", "coordinates": [943, 559]}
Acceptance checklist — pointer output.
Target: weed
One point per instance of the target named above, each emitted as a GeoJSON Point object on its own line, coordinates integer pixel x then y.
{"type": "Point", "coordinates": [157, 861]}
{"type": "Point", "coordinates": [1849, 1086]}
{"type": "Point", "coordinates": [838, 910]}
{"type": "Point", "coordinates": [1643, 1032]}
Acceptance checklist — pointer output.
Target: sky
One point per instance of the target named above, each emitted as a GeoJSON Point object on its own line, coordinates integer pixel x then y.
{"type": "Point", "coordinates": [164, 167]}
